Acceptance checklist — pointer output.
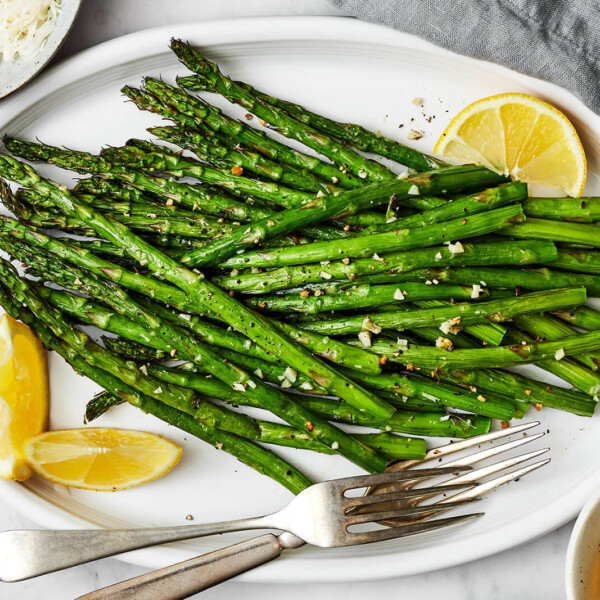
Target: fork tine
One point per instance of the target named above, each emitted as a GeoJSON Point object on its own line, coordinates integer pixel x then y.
{"type": "Point", "coordinates": [425, 512]}
{"type": "Point", "coordinates": [423, 493]}
{"type": "Point", "coordinates": [483, 488]}
{"type": "Point", "coordinates": [463, 445]}
{"type": "Point", "coordinates": [360, 481]}
{"type": "Point", "coordinates": [476, 475]}
{"type": "Point", "coordinates": [494, 450]}
{"type": "Point", "coordinates": [405, 530]}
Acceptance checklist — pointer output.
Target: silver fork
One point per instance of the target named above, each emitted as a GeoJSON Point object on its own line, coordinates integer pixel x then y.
{"type": "Point", "coordinates": [391, 499]}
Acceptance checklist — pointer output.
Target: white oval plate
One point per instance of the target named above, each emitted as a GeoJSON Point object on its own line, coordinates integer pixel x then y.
{"type": "Point", "coordinates": [353, 71]}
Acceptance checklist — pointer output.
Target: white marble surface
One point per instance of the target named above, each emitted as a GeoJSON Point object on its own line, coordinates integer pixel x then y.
{"type": "Point", "coordinates": [531, 572]}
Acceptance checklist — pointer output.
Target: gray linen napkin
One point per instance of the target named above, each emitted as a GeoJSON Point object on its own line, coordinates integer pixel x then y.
{"type": "Point", "coordinates": [556, 40]}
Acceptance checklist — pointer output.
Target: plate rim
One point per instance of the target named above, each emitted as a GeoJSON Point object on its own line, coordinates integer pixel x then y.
{"type": "Point", "coordinates": [141, 44]}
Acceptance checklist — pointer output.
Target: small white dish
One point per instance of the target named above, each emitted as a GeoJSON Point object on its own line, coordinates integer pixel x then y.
{"type": "Point", "coordinates": [15, 74]}
{"type": "Point", "coordinates": [582, 570]}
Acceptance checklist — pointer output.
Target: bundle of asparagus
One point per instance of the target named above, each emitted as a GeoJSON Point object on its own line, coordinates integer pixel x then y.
{"type": "Point", "coordinates": [332, 290]}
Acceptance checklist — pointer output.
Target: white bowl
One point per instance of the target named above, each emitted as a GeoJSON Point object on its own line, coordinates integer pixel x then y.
{"type": "Point", "coordinates": [582, 571]}
{"type": "Point", "coordinates": [15, 74]}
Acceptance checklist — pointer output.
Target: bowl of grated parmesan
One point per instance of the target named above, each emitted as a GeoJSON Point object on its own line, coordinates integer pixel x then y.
{"type": "Point", "coordinates": [31, 32]}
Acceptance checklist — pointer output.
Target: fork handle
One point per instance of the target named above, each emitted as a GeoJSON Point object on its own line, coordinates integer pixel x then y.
{"type": "Point", "coordinates": [187, 578]}
{"type": "Point", "coordinates": [29, 553]}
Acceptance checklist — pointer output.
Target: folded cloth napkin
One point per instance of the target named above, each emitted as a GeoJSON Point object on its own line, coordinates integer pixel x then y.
{"type": "Point", "coordinates": [556, 40]}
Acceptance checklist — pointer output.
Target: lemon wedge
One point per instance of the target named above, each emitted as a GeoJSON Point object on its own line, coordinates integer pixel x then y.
{"type": "Point", "coordinates": [24, 395]}
{"type": "Point", "coordinates": [101, 458]}
{"type": "Point", "coordinates": [519, 136]}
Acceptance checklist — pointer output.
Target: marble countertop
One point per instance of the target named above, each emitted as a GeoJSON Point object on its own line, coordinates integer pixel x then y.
{"type": "Point", "coordinates": [529, 572]}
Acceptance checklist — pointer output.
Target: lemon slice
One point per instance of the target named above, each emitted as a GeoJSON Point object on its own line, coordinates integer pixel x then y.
{"type": "Point", "coordinates": [101, 458]}
{"type": "Point", "coordinates": [520, 136]}
{"type": "Point", "coordinates": [23, 395]}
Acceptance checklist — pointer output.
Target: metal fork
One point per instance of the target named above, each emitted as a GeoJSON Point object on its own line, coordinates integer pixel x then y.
{"type": "Point", "coordinates": [391, 499]}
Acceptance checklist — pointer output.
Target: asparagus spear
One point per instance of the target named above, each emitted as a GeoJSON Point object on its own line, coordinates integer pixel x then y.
{"type": "Point", "coordinates": [190, 196]}
{"type": "Point", "coordinates": [362, 246]}
{"type": "Point", "coordinates": [427, 357]}
{"type": "Point", "coordinates": [412, 422]}
{"type": "Point", "coordinates": [544, 229]}
{"type": "Point", "coordinates": [146, 221]}
{"type": "Point", "coordinates": [404, 421]}
{"type": "Point", "coordinates": [361, 296]}
{"type": "Point", "coordinates": [188, 348]}
{"type": "Point", "coordinates": [273, 373]}
{"type": "Point", "coordinates": [146, 156]}
{"type": "Point", "coordinates": [138, 206]}
{"type": "Point", "coordinates": [92, 313]}
{"type": "Point", "coordinates": [253, 455]}
{"type": "Point", "coordinates": [488, 199]}
{"type": "Point", "coordinates": [582, 316]}
{"type": "Point", "coordinates": [522, 390]}
{"type": "Point", "coordinates": [529, 278]}
{"type": "Point", "coordinates": [280, 120]}
{"type": "Point", "coordinates": [526, 389]}
{"type": "Point", "coordinates": [173, 103]}
{"type": "Point", "coordinates": [497, 254]}
{"type": "Point", "coordinates": [452, 316]}
{"type": "Point", "coordinates": [357, 135]}
{"type": "Point", "coordinates": [198, 290]}
{"type": "Point", "coordinates": [488, 333]}
{"type": "Point", "coordinates": [547, 327]}
{"type": "Point", "coordinates": [40, 264]}
{"type": "Point", "coordinates": [572, 372]}
{"type": "Point", "coordinates": [393, 446]}
{"type": "Point", "coordinates": [210, 148]}
{"type": "Point", "coordinates": [573, 259]}
{"type": "Point", "coordinates": [574, 210]}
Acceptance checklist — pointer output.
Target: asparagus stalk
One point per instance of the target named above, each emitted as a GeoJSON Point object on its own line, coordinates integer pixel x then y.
{"type": "Point", "coordinates": [145, 221]}
{"type": "Point", "coordinates": [394, 447]}
{"type": "Point", "coordinates": [191, 196]}
{"type": "Point", "coordinates": [188, 348]}
{"type": "Point", "coordinates": [547, 327]}
{"type": "Point", "coordinates": [427, 357]}
{"type": "Point", "coordinates": [529, 278]}
{"type": "Point", "coordinates": [89, 312]}
{"type": "Point", "coordinates": [497, 254]}
{"type": "Point", "coordinates": [524, 389]}
{"type": "Point", "coordinates": [253, 455]}
{"type": "Point", "coordinates": [573, 259]}
{"type": "Point", "coordinates": [582, 316]}
{"type": "Point", "coordinates": [40, 264]}
{"type": "Point", "coordinates": [573, 210]}
{"type": "Point", "coordinates": [404, 421]}
{"type": "Point", "coordinates": [508, 193]}
{"type": "Point", "coordinates": [280, 120]}
{"type": "Point", "coordinates": [520, 389]}
{"type": "Point", "coordinates": [363, 246]}
{"type": "Point", "coordinates": [146, 156]}
{"type": "Point", "coordinates": [357, 135]}
{"type": "Point", "coordinates": [545, 229]}
{"type": "Point", "coordinates": [343, 204]}
{"type": "Point", "coordinates": [356, 297]}
{"type": "Point", "coordinates": [210, 148]}
{"type": "Point", "coordinates": [572, 372]}
{"type": "Point", "coordinates": [274, 373]}
{"type": "Point", "coordinates": [197, 289]}
{"type": "Point", "coordinates": [452, 316]}
{"type": "Point", "coordinates": [173, 103]}
{"type": "Point", "coordinates": [488, 333]}
{"type": "Point", "coordinates": [412, 422]}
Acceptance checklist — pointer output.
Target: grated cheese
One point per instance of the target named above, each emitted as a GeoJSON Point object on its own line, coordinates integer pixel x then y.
{"type": "Point", "coordinates": [25, 26]}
